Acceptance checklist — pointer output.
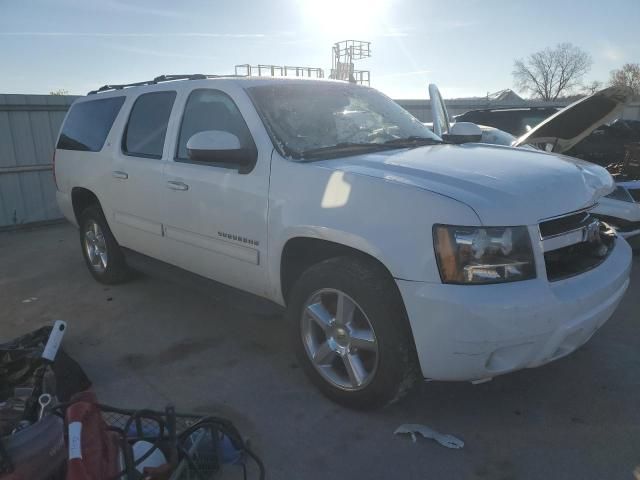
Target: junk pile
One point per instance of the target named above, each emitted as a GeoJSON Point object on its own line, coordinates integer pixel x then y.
{"type": "Point", "coordinates": [34, 375]}
{"type": "Point", "coordinates": [629, 168]}
{"type": "Point", "coordinates": [53, 428]}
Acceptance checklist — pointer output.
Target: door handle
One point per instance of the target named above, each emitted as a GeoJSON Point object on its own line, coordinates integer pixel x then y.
{"type": "Point", "coordinates": [173, 185]}
{"type": "Point", "coordinates": [120, 175]}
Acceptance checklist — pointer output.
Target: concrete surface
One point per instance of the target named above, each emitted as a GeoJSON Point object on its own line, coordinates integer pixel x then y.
{"type": "Point", "coordinates": [150, 342]}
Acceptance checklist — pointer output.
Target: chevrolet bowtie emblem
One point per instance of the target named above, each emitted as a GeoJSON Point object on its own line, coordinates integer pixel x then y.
{"type": "Point", "coordinates": [591, 232]}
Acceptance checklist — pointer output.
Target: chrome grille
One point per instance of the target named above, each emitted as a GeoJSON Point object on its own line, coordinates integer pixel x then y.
{"type": "Point", "coordinates": [563, 225]}
{"type": "Point", "coordinates": [574, 243]}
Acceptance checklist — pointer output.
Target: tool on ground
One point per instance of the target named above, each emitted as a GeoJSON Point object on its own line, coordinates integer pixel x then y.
{"type": "Point", "coordinates": [44, 401]}
{"type": "Point", "coordinates": [48, 357]}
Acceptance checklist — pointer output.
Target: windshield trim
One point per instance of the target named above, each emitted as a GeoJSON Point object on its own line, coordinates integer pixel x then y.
{"type": "Point", "coordinates": [349, 149]}
{"type": "Point", "coordinates": [337, 151]}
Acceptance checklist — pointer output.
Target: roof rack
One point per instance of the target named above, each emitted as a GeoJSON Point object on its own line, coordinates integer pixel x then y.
{"type": "Point", "coordinates": [160, 79]}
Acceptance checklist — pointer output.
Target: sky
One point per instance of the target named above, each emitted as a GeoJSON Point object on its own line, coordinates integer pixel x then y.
{"type": "Point", "coordinates": [467, 47]}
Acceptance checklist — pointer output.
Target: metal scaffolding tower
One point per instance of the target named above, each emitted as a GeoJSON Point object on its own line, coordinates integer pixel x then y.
{"type": "Point", "coordinates": [344, 54]}
{"type": "Point", "coordinates": [278, 71]}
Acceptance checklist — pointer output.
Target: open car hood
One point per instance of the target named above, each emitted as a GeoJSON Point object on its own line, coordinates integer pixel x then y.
{"type": "Point", "coordinates": [441, 122]}
{"type": "Point", "coordinates": [574, 122]}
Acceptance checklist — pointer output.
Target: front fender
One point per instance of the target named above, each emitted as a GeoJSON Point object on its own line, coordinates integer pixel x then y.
{"type": "Point", "coordinates": [387, 220]}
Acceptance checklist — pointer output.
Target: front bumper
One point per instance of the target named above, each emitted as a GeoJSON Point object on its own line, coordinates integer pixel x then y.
{"type": "Point", "coordinates": [465, 332]}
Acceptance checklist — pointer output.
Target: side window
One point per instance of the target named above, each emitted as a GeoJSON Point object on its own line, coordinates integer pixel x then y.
{"type": "Point", "coordinates": [147, 126]}
{"type": "Point", "coordinates": [211, 110]}
{"type": "Point", "coordinates": [88, 124]}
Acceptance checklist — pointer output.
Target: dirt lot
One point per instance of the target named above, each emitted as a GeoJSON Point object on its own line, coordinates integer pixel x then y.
{"type": "Point", "coordinates": [152, 341]}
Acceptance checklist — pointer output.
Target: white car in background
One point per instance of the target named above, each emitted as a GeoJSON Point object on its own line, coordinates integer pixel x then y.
{"type": "Point", "coordinates": [559, 133]}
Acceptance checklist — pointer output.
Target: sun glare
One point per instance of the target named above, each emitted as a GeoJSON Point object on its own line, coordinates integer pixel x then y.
{"type": "Point", "coordinates": [344, 18]}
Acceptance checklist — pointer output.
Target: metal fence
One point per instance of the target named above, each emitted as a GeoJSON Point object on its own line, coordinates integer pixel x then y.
{"type": "Point", "coordinates": [29, 125]}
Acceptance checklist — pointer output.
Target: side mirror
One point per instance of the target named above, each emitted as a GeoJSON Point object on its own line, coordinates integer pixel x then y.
{"type": "Point", "coordinates": [463, 132]}
{"type": "Point", "coordinates": [217, 146]}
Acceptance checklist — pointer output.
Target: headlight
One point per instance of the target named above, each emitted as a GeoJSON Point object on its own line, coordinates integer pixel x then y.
{"type": "Point", "coordinates": [476, 255]}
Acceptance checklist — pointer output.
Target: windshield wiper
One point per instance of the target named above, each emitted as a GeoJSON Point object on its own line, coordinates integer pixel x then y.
{"type": "Point", "coordinates": [413, 141]}
{"type": "Point", "coordinates": [344, 147]}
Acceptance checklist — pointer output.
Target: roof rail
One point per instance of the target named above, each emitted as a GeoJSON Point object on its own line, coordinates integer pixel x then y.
{"type": "Point", "coordinates": [159, 79]}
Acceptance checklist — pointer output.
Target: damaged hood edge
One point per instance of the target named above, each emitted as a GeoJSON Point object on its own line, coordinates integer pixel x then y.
{"type": "Point", "coordinates": [573, 123]}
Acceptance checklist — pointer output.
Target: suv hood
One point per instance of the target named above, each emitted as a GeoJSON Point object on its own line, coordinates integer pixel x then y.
{"type": "Point", "coordinates": [504, 185]}
{"type": "Point", "coordinates": [571, 124]}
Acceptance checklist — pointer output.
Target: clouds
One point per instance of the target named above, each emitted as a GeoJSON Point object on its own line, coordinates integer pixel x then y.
{"type": "Point", "coordinates": [154, 52]}
{"type": "Point", "coordinates": [612, 53]}
{"type": "Point", "coordinates": [405, 74]}
{"type": "Point", "coordinates": [143, 34]}
{"type": "Point", "coordinates": [117, 6]}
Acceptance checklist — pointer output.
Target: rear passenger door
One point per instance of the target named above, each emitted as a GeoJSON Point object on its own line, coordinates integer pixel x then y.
{"type": "Point", "coordinates": [137, 174]}
{"type": "Point", "coordinates": [216, 213]}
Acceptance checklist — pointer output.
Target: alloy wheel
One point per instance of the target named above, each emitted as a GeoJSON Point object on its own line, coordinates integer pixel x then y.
{"type": "Point", "coordinates": [96, 247]}
{"type": "Point", "coordinates": [339, 339]}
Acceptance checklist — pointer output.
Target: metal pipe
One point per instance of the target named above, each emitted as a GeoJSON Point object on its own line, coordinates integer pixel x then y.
{"type": "Point", "coordinates": [25, 168]}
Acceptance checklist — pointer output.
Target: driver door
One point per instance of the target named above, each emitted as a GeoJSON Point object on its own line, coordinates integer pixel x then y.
{"type": "Point", "coordinates": [215, 214]}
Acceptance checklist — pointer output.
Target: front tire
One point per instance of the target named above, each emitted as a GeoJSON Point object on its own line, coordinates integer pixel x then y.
{"type": "Point", "coordinates": [101, 252]}
{"type": "Point", "coordinates": [351, 334]}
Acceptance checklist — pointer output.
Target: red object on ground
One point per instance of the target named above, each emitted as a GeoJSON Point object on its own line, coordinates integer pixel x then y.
{"type": "Point", "coordinates": [93, 450]}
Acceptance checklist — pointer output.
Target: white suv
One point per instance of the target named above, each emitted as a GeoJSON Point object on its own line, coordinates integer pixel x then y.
{"type": "Point", "coordinates": [396, 255]}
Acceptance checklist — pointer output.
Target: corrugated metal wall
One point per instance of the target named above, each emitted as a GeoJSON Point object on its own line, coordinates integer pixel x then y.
{"type": "Point", "coordinates": [29, 125]}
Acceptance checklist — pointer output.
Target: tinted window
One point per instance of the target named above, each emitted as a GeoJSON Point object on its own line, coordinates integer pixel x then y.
{"type": "Point", "coordinates": [147, 126]}
{"type": "Point", "coordinates": [211, 110]}
{"type": "Point", "coordinates": [88, 124]}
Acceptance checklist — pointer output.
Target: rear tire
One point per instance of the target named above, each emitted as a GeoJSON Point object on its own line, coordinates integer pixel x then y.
{"type": "Point", "coordinates": [364, 358]}
{"type": "Point", "coordinates": [101, 252]}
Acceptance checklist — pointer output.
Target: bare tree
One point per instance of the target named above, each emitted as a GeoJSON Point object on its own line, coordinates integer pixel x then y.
{"type": "Point", "coordinates": [591, 88]}
{"type": "Point", "coordinates": [627, 76]}
{"type": "Point", "coordinates": [60, 91]}
{"type": "Point", "coordinates": [552, 72]}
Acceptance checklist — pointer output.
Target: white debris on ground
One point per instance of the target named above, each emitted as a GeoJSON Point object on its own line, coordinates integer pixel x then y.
{"type": "Point", "coordinates": [443, 439]}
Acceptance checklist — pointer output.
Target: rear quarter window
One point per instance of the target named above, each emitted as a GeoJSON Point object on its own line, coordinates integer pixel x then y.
{"type": "Point", "coordinates": [88, 124]}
